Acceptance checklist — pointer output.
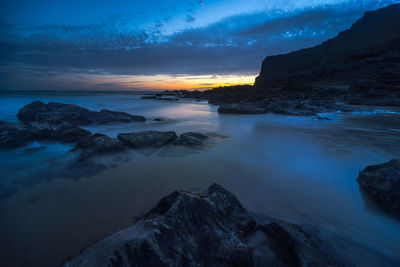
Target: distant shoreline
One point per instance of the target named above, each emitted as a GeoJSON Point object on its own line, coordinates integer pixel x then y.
{"type": "Point", "coordinates": [76, 92]}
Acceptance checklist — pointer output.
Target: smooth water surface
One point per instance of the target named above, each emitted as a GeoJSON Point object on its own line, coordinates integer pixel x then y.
{"type": "Point", "coordinates": [287, 167]}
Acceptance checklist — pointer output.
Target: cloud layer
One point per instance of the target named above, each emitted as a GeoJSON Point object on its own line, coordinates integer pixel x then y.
{"type": "Point", "coordinates": [234, 45]}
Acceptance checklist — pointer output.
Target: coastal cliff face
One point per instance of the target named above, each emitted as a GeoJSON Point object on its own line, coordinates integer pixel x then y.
{"type": "Point", "coordinates": [363, 62]}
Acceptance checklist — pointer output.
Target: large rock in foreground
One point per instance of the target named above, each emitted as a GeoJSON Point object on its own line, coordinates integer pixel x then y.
{"type": "Point", "coordinates": [56, 113]}
{"type": "Point", "coordinates": [382, 183]}
{"type": "Point", "coordinates": [209, 228]}
{"type": "Point", "coordinates": [147, 139]}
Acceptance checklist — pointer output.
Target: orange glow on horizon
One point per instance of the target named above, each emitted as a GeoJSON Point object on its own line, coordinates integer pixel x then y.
{"type": "Point", "coordinates": [167, 82]}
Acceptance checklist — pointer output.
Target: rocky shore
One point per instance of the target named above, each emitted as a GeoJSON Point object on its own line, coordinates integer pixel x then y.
{"type": "Point", "coordinates": [208, 228]}
{"type": "Point", "coordinates": [59, 122]}
{"type": "Point", "coordinates": [56, 113]}
{"type": "Point", "coordinates": [360, 66]}
{"type": "Point", "coordinates": [382, 183]}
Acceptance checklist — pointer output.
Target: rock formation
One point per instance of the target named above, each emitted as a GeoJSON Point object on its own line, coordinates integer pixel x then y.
{"type": "Point", "coordinates": [208, 228]}
{"type": "Point", "coordinates": [382, 183]}
{"type": "Point", "coordinates": [191, 139]}
{"type": "Point", "coordinates": [362, 62]}
{"type": "Point", "coordinates": [147, 139]}
{"type": "Point", "coordinates": [57, 113]}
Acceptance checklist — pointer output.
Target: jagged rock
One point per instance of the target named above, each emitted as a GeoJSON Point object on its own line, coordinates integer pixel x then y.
{"type": "Point", "coordinates": [41, 131]}
{"type": "Point", "coordinates": [382, 183]}
{"type": "Point", "coordinates": [106, 116]}
{"type": "Point", "coordinates": [240, 109]}
{"type": "Point", "coordinates": [365, 58]}
{"type": "Point", "coordinates": [14, 135]}
{"type": "Point", "coordinates": [56, 113]}
{"type": "Point", "coordinates": [97, 144]}
{"type": "Point", "coordinates": [191, 139]}
{"type": "Point", "coordinates": [209, 228]}
{"type": "Point", "coordinates": [69, 133]}
{"type": "Point", "coordinates": [147, 139]}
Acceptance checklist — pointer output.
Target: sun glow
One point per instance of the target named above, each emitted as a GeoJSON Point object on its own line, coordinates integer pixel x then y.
{"type": "Point", "coordinates": [167, 82]}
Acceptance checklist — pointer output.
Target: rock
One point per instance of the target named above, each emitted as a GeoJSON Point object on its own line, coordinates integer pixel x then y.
{"type": "Point", "coordinates": [147, 139]}
{"type": "Point", "coordinates": [365, 58]}
{"type": "Point", "coordinates": [97, 144]}
{"type": "Point", "coordinates": [69, 133]}
{"type": "Point", "coordinates": [209, 228]}
{"type": "Point", "coordinates": [14, 135]}
{"type": "Point", "coordinates": [41, 131]}
{"type": "Point", "coordinates": [382, 183]}
{"type": "Point", "coordinates": [57, 113]}
{"type": "Point", "coordinates": [191, 139]}
{"type": "Point", "coordinates": [240, 109]}
{"type": "Point", "coordinates": [108, 117]}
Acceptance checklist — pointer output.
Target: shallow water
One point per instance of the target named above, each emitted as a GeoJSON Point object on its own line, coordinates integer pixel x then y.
{"type": "Point", "coordinates": [287, 167]}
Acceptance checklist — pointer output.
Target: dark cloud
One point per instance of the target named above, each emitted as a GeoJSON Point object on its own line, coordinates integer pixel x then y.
{"type": "Point", "coordinates": [234, 45]}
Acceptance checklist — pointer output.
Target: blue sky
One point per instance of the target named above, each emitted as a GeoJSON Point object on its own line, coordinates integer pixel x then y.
{"type": "Point", "coordinates": [121, 44]}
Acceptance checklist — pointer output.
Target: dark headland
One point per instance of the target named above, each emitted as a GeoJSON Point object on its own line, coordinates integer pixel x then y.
{"type": "Point", "coordinates": [360, 66]}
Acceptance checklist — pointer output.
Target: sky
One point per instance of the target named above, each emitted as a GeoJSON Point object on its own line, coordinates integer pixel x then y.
{"type": "Point", "coordinates": [158, 44]}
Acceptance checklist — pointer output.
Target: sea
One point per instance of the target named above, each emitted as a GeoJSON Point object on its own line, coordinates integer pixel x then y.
{"type": "Point", "coordinates": [294, 168]}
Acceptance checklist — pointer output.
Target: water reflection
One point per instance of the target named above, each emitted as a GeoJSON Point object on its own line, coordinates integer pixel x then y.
{"type": "Point", "coordinates": [286, 167]}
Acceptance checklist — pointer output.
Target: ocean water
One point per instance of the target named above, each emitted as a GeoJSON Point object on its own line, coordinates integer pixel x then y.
{"type": "Point", "coordinates": [293, 168]}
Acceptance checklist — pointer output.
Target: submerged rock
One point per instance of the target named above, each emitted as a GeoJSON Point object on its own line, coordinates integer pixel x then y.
{"type": "Point", "coordinates": [56, 113]}
{"type": "Point", "coordinates": [209, 228]}
{"type": "Point", "coordinates": [382, 183]}
{"type": "Point", "coordinates": [70, 133]}
{"type": "Point", "coordinates": [191, 139]}
{"type": "Point", "coordinates": [147, 139]}
{"type": "Point", "coordinates": [97, 144]}
{"type": "Point", "coordinates": [15, 135]}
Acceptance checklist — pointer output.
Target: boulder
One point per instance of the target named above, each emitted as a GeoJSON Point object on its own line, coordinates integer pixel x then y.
{"type": "Point", "coordinates": [41, 131]}
{"type": "Point", "coordinates": [57, 113]}
{"type": "Point", "coordinates": [69, 133]}
{"type": "Point", "coordinates": [208, 228]}
{"type": "Point", "coordinates": [97, 144]}
{"type": "Point", "coordinates": [147, 139]}
{"type": "Point", "coordinates": [191, 139]}
{"type": "Point", "coordinates": [14, 135]}
{"type": "Point", "coordinates": [382, 183]}
{"type": "Point", "coordinates": [106, 116]}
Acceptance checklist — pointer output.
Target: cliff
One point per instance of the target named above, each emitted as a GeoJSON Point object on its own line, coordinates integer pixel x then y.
{"type": "Point", "coordinates": [363, 60]}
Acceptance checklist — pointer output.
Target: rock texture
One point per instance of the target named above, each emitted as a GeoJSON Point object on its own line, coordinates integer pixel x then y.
{"type": "Point", "coordinates": [57, 113]}
{"type": "Point", "coordinates": [191, 139]}
{"type": "Point", "coordinates": [14, 135]}
{"type": "Point", "coordinates": [97, 144]}
{"type": "Point", "coordinates": [362, 62]}
{"type": "Point", "coordinates": [69, 133]}
{"type": "Point", "coordinates": [147, 139]}
{"type": "Point", "coordinates": [382, 183]}
{"type": "Point", "coordinates": [361, 66]}
{"type": "Point", "coordinates": [209, 228]}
